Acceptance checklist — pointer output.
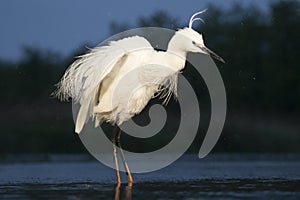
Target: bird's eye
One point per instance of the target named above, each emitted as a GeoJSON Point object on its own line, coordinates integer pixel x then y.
{"type": "Point", "coordinates": [193, 42]}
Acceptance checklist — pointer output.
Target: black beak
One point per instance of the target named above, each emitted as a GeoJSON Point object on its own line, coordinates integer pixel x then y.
{"type": "Point", "coordinates": [212, 54]}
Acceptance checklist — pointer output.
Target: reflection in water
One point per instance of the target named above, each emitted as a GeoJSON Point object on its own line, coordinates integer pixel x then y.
{"type": "Point", "coordinates": [125, 193]}
{"type": "Point", "coordinates": [229, 189]}
{"type": "Point", "coordinates": [225, 176]}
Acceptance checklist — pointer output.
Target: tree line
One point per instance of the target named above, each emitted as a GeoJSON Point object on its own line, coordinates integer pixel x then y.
{"type": "Point", "coordinates": [261, 73]}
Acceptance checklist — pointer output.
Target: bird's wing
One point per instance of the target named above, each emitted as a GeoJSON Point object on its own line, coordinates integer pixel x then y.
{"type": "Point", "coordinates": [84, 76]}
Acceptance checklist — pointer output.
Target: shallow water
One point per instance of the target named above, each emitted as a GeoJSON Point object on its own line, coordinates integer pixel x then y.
{"type": "Point", "coordinates": [224, 176]}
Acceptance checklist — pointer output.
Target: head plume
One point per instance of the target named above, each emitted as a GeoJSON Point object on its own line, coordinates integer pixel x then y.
{"type": "Point", "coordinates": [193, 19]}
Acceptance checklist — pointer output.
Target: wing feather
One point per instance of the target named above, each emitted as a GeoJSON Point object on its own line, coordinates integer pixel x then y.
{"type": "Point", "coordinates": [82, 79]}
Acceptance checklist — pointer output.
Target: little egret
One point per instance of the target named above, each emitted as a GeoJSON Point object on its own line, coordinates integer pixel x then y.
{"type": "Point", "coordinates": [93, 78]}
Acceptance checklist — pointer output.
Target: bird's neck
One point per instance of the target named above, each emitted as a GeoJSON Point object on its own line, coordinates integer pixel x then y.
{"type": "Point", "coordinates": [177, 55]}
{"type": "Point", "coordinates": [175, 46]}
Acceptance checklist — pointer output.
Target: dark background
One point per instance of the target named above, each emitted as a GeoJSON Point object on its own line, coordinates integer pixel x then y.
{"type": "Point", "coordinates": [261, 76]}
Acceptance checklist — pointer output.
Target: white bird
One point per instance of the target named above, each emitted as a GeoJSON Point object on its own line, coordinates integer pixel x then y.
{"type": "Point", "coordinates": [115, 82]}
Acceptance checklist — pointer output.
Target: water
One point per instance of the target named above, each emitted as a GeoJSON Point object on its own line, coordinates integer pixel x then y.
{"type": "Point", "coordinates": [223, 176]}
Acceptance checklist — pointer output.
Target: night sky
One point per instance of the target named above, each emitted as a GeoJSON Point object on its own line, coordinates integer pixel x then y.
{"type": "Point", "coordinates": [65, 25]}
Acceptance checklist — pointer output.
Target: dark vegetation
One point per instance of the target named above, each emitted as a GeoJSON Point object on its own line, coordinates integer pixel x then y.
{"type": "Point", "coordinates": [261, 77]}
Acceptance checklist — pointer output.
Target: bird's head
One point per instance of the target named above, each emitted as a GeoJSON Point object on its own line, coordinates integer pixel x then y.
{"type": "Point", "coordinates": [192, 41]}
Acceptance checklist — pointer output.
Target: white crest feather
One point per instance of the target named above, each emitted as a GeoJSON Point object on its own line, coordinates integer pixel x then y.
{"type": "Point", "coordinates": [193, 19]}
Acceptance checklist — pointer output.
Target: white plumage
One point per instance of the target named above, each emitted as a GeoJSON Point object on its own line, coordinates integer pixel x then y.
{"type": "Point", "coordinates": [115, 82]}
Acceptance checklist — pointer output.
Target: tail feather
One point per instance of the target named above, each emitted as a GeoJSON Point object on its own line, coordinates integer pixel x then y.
{"type": "Point", "coordinates": [85, 112]}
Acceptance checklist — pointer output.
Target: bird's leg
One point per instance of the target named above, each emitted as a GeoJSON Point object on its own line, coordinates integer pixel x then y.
{"type": "Point", "coordinates": [115, 133]}
{"type": "Point", "coordinates": [117, 192]}
{"type": "Point", "coordinates": [130, 180]}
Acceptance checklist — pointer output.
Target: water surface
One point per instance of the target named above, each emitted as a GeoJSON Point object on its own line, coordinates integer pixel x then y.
{"type": "Point", "coordinates": [226, 176]}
